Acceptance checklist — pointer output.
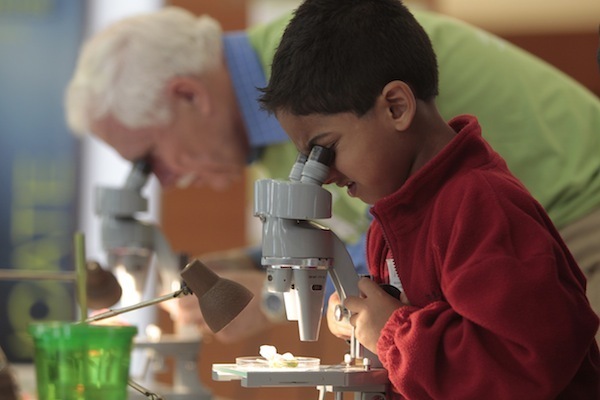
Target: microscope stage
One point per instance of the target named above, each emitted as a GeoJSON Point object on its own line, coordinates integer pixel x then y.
{"type": "Point", "coordinates": [350, 378]}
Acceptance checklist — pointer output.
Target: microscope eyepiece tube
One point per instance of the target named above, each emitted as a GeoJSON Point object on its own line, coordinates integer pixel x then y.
{"type": "Point", "coordinates": [296, 171]}
{"type": "Point", "coordinates": [321, 155]}
{"type": "Point", "coordinates": [138, 176]}
{"type": "Point", "coordinates": [316, 168]}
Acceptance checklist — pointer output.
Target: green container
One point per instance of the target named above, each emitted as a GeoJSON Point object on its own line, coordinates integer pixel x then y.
{"type": "Point", "coordinates": [81, 361]}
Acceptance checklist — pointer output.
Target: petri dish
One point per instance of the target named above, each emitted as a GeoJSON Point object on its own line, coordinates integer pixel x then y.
{"type": "Point", "coordinates": [253, 362]}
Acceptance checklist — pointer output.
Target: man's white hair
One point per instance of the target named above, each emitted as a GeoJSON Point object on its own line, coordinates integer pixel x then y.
{"type": "Point", "coordinates": [123, 71]}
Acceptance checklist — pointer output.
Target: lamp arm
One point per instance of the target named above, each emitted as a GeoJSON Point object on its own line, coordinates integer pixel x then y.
{"type": "Point", "coordinates": [184, 291]}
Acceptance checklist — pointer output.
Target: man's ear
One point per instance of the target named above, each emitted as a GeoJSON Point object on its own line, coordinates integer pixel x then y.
{"type": "Point", "coordinates": [401, 103]}
{"type": "Point", "coordinates": [191, 91]}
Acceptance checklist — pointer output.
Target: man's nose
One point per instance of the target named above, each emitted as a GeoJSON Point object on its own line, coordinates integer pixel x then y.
{"type": "Point", "coordinates": [165, 176]}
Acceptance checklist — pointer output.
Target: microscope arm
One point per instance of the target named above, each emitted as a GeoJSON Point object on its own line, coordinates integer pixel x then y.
{"type": "Point", "coordinates": [343, 274]}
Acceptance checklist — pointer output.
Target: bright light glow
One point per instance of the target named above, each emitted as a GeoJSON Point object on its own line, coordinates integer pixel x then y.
{"type": "Point", "coordinates": [130, 293]}
{"type": "Point", "coordinates": [153, 332]}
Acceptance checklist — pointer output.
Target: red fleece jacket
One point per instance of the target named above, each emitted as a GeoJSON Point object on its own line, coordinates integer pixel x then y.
{"type": "Point", "coordinates": [498, 307]}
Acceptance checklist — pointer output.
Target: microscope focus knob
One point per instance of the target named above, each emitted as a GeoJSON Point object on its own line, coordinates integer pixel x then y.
{"type": "Point", "coordinates": [341, 313]}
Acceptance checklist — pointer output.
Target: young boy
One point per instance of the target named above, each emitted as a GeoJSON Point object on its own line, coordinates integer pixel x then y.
{"type": "Point", "coordinates": [494, 304]}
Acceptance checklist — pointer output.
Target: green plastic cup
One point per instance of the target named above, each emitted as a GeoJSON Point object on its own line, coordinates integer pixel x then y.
{"type": "Point", "coordinates": [81, 361]}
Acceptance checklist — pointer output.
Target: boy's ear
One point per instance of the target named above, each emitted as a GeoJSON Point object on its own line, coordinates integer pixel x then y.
{"type": "Point", "coordinates": [401, 103]}
{"type": "Point", "coordinates": [189, 90]}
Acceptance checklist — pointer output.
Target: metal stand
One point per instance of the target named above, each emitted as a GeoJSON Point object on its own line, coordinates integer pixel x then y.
{"type": "Point", "coordinates": [186, 382]}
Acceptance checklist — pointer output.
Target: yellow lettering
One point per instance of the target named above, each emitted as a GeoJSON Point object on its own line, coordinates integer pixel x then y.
{"type": "Point", "coordinates": [42, 254]}
{"type": "Point", "coordinates": [43, 182]}
{"type": "Point", "coordinates": [40, 222]}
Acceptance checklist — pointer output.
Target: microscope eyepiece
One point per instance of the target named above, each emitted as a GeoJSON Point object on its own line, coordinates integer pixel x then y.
{"type": "Point", "coordinates": [138, 176]}
{"type": "Point", "coordinates": [321, 155]}
{"type": "Point", "coordinates": [301, 158]}
{"type": "Point", "coordinates": [316, 168]}
{"type": "Point", "coordinates": [296, 172]}
{"type": "Point", "coordinates": [143, 165]}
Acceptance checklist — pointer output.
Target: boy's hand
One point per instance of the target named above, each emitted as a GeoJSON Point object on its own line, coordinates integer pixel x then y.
{"type": "Point", "coordinates": [341, 329]}
{"type": "Point", "coordinates": [369, 312]}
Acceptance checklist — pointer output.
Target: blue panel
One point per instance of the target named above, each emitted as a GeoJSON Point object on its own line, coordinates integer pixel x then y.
{"type": "Point", "coordinates": [39, 42]}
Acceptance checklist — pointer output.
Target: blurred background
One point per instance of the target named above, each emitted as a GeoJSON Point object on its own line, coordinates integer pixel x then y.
{"type": "Point", "coordinates": [48, 176]}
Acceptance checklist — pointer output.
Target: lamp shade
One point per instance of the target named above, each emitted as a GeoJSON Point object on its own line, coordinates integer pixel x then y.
{"type": "Point", "coordinates": [220, 299]}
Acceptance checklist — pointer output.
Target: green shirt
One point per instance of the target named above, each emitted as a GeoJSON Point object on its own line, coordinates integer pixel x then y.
{"type": "Point", "coordinates": [544, 124]}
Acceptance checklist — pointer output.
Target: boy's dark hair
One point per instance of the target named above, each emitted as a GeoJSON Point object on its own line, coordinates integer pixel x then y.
{"type": "Point", "coordinates": [337, 55]}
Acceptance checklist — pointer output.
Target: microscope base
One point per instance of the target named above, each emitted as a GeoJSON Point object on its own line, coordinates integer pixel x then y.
{"type": "Point", "coordinates": [184, 352]}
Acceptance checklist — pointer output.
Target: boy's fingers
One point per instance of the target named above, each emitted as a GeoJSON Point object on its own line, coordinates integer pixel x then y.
{"type": "Point", "coordinates": [352, 303]}
{"type": "Point", "coordinates": [334, 297]}
{"type": "Point", "coordinates": [367, 286]}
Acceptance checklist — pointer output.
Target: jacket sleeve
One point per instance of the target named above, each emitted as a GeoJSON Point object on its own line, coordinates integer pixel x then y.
{"type": "Point", "coordinates": [513, 320]}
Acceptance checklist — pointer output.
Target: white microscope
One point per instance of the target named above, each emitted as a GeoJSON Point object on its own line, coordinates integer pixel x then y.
{"type": "Point", "coordinates": [130, 245]}
{"type": "Point", "coordinates": [298, 253]}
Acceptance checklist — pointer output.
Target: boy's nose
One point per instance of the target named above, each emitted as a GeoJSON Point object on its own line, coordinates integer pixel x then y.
{"type": "Point", "coordinates": [332, 176]}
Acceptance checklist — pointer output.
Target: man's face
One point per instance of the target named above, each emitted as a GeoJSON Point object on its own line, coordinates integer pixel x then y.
{"type": "Point", "coordinates": [192, 150]}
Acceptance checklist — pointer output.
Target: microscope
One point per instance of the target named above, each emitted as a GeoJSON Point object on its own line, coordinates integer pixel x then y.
{"type": "Point", "coordinates": [298, 254]}
{"type": "Point", "coordinates": [130, 245]}
{"type": "Point", "coordinates": [129, 242]}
